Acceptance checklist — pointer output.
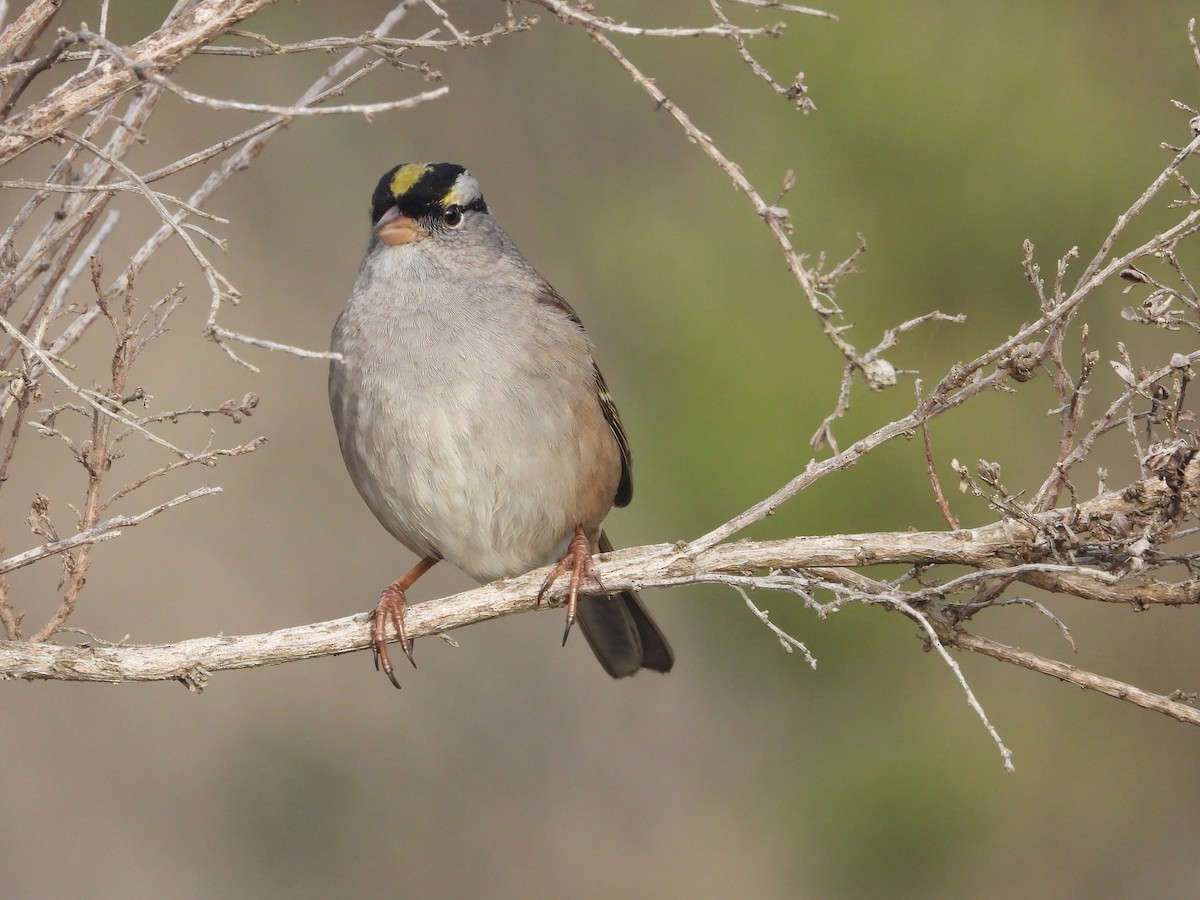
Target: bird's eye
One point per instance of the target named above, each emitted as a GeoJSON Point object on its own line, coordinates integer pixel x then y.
{"type": "Point", "coordinates": [453, 216]}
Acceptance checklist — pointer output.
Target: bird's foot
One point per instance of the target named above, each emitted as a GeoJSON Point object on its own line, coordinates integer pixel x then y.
{"type": "Point", "coordinates": [578, 561]}
{"type": "Point", "coordinates": [390, 608]}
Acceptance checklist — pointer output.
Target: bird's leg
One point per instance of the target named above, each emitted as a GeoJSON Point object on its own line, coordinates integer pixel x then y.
{"type": "Point", "coordinates": [577, 560]}
{"type": "Point", "coordinates": [391, 607]}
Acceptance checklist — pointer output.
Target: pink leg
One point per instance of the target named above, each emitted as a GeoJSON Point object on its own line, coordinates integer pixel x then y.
{"type": "Point", "coordinates": [391, 608]}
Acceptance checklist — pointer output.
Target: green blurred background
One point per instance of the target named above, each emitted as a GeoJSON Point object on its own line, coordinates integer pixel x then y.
{"type": "Point", "coordinates": [946, 133]}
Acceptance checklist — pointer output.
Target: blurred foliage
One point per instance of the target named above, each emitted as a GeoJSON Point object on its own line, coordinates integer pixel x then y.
{"type": "Point", "coordinates": [946, 134]}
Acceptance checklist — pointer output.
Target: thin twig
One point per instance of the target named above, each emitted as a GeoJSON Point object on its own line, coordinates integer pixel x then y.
{"type": "Point", "coordinates": [106, 530]}
{"type": "Point", "coordinates": [105, 408]}
{"type": "Point", "coordinates": [1073, 675]}
{"type": "Point", "coordinates": [788, 642]}
{"type": "Point", "coordinates": [936, 642]}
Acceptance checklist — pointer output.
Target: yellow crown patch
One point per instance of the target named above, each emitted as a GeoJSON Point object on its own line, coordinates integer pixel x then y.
{"type": "Point", "coordinates": [406, 177]}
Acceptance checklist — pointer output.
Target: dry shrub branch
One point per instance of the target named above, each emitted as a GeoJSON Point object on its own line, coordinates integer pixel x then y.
{"type": "Point", "coordinates": [91, 101]}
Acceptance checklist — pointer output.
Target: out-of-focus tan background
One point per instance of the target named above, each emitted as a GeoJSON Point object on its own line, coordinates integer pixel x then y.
{"type": "Point", "coordinates": [510, 767]}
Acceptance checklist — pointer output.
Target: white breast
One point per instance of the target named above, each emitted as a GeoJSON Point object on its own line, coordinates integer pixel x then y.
{"type": "Point", "coordinates": [469, 422]}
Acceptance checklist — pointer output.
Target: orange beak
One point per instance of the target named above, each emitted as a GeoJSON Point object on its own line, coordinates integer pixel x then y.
{"type": "Point", "coordinates": [395, 228]}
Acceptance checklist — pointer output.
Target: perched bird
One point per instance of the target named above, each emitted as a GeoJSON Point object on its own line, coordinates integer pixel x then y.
{"type": "Point", "coordinates": [472, 416]}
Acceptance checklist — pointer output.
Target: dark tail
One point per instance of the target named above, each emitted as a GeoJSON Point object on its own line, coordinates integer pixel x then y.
{"type": "Point", "coordinates": [621, 633]}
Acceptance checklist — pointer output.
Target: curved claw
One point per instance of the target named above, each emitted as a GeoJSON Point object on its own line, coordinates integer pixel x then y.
{"type": "Point", "coordinates": [392, 603]}
{"type": "Point", "coordinates": [391, 606]}
{"type": "Point", "coordinates": [578, 561]}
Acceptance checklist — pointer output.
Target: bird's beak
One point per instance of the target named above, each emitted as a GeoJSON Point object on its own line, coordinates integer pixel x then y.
{"type": "Point", "coordinates": [395, 228]}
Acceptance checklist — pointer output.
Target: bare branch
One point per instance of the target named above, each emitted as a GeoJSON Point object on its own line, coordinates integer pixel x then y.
{"type": "Point", "coordinates": [580, 16]}
{"type": "Point", "coordinates": [788, 642]}
{"type": "Point", "coordinates": [788, 7]}
{"type": "Point", "coordinates": [100, 404]}
{"type": "Point", "coordinates": [109, 528]}
{"type": "Point", "coordinates": [160, 52]}
{"type": "Point", "coordinates": [1119, 547]}
{"type": "Point", "coordinates": [663, 565]}
{"type": "Point", "coordinates": [1169, 705]}
{"type": "Point", "coordinates": [363, 109]}
{"type": "Point", "coordinates": [937, 644]}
